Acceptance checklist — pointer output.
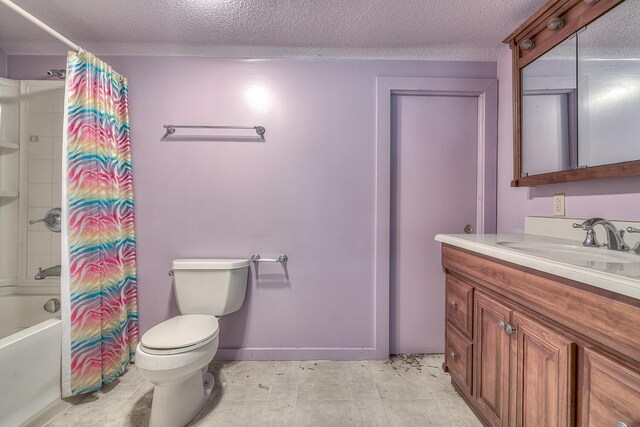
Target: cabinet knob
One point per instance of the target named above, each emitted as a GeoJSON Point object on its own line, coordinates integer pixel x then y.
{"type": "Point", "coordinates": [453, 355]}
{"type": "Point", "coordinates": [510, 329]}
{"type": "Point", "coordinates": [502, 325]}
{"type": "Point", "coordinates": [620, 424]}
{"type": "Point", "coordinates": [453, 304]}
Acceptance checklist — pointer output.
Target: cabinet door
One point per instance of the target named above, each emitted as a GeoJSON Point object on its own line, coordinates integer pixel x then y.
{"type": "Point", "coordinates": [610, 393]}
{"type": "Point", "coordinates": [542, 383]}
{"type": "Point", "coordinates": [491, 382]}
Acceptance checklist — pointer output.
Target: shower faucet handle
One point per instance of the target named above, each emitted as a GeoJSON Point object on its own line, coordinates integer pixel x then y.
{"type": "Point", "coordinates": [52, 220]}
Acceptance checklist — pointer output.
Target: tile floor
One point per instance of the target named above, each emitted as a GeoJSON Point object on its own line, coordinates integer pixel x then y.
{"type": "Point", "coordinates": [402, 391]}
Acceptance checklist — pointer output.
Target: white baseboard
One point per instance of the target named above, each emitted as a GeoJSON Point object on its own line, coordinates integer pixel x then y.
{"type": "Point", "coordinates": [296, 354]}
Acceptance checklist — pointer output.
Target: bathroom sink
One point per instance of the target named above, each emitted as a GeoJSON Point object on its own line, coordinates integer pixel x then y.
{"type": "Point", "coordinates": [573, 254]}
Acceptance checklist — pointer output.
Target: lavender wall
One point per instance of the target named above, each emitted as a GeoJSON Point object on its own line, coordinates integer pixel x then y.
{"type": "Point", "coordinates": [33, 67]}
{"type": "Point", "coordinates": [613, 199]}
{"type": "Point", "coordinates": [308, 191]}
{"type": "Point", "coordinates": [3, 63]}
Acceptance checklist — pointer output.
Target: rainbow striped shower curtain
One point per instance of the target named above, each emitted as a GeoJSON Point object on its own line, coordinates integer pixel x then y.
{"type": "Point", "coordinates": [99, 290]}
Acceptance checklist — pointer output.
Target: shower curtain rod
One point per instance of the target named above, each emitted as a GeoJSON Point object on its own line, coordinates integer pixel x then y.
{"type": "Point", "coordinates": [20, 11]}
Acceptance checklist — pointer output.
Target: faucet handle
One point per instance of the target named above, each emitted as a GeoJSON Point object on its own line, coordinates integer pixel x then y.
{"type": "Point", "coordinates": [636, 248]}
{"type": "Point", "coordinates": [591, 240]}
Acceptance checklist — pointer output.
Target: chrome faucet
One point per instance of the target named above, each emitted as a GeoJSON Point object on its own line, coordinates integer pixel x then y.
{"type": "Point", "coordinates": [615, 240]}
{"type": "Point", "coordinates": [51, 271]}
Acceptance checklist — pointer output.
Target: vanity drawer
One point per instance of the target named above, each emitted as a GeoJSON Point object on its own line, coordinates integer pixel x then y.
{"type": "Point", "coordinates": [460, 305]}
{"type": "Point", "coordinates": [459, 357]}
{"type": "Point", "coordinates": [610, 393]}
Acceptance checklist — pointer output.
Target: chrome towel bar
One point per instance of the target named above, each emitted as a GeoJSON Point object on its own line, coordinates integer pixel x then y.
{"type": "Point", "coordinates": [171, 129]}
{"type": "Point", "coordinates": [255, 258]}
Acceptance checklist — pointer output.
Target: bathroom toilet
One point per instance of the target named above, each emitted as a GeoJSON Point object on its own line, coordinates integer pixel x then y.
{"type": "Point", "coordinates": [174, 355]}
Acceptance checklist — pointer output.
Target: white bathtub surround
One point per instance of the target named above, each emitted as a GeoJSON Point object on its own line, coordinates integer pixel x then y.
{"type": "Point", "coordinates": [620, 277]}
{"type": "Point", "coordinates": [9, 179]}
{"type": "Point", "coordinates": [397, 392]}
{"type": "Point", "coordinates": [30, 177]}
{"type": "Point", "coordinates": [42, 110]}
{"type": "Point", "coordinates": [31, 122]}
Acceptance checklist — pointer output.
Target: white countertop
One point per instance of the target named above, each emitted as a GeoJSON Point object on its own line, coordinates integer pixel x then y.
{"type": "Point", "coordinates": [622, 278]}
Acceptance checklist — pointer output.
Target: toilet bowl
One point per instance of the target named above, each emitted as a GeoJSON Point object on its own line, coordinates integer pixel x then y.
{"type": "Point", "coordinates": [174, 354]}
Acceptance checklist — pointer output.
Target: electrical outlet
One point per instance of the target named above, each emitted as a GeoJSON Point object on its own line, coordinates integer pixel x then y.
{"type": "Point", "coordinates": [558, 204]}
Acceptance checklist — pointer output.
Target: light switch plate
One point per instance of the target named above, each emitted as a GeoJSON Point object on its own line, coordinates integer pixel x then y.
{"type": "Point", "coordinates": [558, 204]}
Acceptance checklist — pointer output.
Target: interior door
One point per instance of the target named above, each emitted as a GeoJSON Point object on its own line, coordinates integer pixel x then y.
{"type": "Point", "coordinates": [433, 190]}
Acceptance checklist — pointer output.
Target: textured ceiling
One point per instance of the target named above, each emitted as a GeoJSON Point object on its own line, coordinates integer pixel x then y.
{"type": "Point", "coordinates": [396, 29]}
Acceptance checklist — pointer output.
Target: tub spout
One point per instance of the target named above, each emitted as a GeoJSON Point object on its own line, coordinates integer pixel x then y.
{"type": "Point", "coordinates": [51, 271]}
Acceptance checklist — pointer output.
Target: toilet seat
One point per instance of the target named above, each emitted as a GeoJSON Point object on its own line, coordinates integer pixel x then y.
{"type": "Point", "coordinates": [169, 351]}
{"type": "Point", "coordinates": [180, 334]}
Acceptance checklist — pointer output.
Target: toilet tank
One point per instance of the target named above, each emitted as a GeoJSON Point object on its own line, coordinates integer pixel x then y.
{"type": "Point", "coordinates": [210, 286]}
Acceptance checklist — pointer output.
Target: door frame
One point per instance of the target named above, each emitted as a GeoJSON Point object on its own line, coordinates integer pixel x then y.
{"type": "Point", "coordinates": [486, 92]}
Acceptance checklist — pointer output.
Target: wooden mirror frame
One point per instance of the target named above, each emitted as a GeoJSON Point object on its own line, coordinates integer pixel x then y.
{"type": "Point", "coordinates": [535, 31]}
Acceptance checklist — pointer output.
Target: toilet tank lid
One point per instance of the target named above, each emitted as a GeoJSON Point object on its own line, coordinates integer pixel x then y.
{"type": "Point", "coordinates": [209, 264]}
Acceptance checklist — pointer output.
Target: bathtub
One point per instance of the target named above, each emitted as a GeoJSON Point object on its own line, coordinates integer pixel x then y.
{"type": "Point", "coordinates": [29, 353]}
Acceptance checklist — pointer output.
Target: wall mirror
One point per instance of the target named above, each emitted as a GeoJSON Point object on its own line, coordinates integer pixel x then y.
{"type": "Point", "coordinates": [549, 102]}
{"type": "Point", "coordinates": [609, 87]}
{"type": "Point", "coordinates": [577, 92]}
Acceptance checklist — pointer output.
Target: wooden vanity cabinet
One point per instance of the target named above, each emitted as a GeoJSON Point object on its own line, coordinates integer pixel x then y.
{"type": "Point", "coordinates": [518, 367]}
